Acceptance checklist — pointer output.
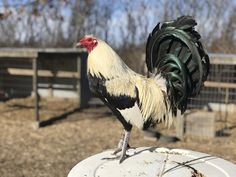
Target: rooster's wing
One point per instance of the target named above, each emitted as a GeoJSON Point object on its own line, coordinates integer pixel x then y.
{"type": "Point", "coordinates": [121, 96]}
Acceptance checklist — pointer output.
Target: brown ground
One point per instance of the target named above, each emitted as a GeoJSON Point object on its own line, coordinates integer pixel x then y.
{"type": "Point", "coordinates": [53, 150]}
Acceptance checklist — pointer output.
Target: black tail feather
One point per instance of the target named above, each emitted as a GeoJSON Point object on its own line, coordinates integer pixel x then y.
{"type": "Point", "coordinates": [174, 50]}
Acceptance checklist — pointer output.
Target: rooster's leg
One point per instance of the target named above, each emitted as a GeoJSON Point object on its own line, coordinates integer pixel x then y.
{"type": "Point", "coordinates": [119, 147]}
{"type": "Point", "coordinates": [124, 146]}
{"type": "Point", "coordinates": [123, 143]}
{"type": "Point", "coordinates": [120, 144]}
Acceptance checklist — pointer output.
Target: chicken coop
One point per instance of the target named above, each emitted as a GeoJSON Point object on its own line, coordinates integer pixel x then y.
{"type": "Point", "coordinates": [218, 96]}
{"type": "Point", "coordinates": [41, 73]}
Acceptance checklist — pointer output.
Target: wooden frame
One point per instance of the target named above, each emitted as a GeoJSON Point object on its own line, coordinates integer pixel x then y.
{"type": "Point", "coordinates": [33, 54]}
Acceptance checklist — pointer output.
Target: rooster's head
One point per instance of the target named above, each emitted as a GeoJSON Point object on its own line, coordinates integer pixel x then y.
{"type": "Point", "coordinates": [89, 42]}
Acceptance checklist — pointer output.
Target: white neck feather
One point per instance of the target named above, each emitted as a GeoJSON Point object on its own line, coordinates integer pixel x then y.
{"type": "Point", "coordinates": [105, 61]}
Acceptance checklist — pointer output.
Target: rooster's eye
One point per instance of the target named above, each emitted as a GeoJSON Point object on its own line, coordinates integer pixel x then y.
{"type": "Point", "coordinates": [90, 39]}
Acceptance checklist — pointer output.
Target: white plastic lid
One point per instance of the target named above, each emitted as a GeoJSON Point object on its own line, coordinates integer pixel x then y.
{"type": "Point", "coordinates": [155, 162]}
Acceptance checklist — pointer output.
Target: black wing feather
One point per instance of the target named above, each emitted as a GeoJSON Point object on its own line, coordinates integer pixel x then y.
{"type": "Point", "coordinates": [122, 101]}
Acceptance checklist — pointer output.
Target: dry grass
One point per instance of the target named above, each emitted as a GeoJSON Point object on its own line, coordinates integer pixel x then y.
{"type": "Point", "coordinates": [53, 150]}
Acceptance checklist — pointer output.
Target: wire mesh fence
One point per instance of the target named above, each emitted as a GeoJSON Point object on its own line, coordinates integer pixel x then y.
{"type": "Point", "coordinates": [219, 91]}
{"type": "Point", "coordinates": [56, 74]}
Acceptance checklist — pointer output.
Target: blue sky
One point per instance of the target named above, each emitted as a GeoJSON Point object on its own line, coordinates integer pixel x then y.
{"type": "Point", "coordinates": [118, 19]}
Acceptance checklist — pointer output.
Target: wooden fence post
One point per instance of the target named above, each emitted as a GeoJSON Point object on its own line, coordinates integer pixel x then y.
{"type": "Point", "coordinates": [35, 89]}
{"type": "Point", "coordinates": [179, 125]}
{"type": "Point", "coordinates": [79, 79]}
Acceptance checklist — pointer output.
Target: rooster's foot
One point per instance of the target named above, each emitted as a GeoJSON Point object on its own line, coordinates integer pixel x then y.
{"type": "Point", "coordinates": [120, 157]}
{"type": "Point", "coordinates": [119, 149]}
{"type": "Point", "coordinates": [122, 147]}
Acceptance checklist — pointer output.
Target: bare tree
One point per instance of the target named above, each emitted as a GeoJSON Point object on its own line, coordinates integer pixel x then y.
{"type": "Point", "coordinates": [124, 24]}
{"type": "Point", "coordinates": [226, 43]}
{"type": "Point", "coordinates": [42, 23]}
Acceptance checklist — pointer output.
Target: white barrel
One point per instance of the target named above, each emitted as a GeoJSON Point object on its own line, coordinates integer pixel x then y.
{"type": "Point", "coordinates": [154, 162]}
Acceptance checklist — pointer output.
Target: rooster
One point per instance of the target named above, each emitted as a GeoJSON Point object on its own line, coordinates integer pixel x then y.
{"type": "Point", "coordinates": [178, 65]}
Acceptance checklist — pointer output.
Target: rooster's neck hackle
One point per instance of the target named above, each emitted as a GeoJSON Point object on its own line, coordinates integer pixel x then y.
{"type": "Point", "coordinates": [103, 60]}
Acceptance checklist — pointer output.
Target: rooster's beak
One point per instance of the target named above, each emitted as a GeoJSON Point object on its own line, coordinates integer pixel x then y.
{"type": "Point", "coordinates": [78, 45]}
